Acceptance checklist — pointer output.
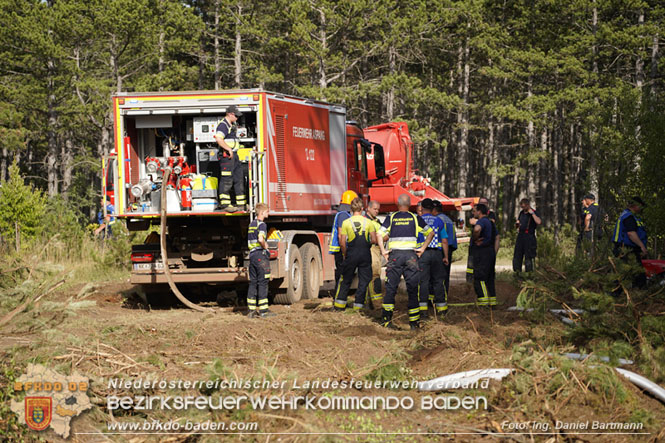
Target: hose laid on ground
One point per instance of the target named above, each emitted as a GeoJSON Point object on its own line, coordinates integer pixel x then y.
{"type": "Point", "coordinates": [162, 247]}
{"type": "Point", "coordinates": [461, 380]}
{"type": "Point", "coordinates": [636, 379]}
{"type": "Point", "coordinates": [576, 356]}
{"type": "Point", "coordinates": [643, 383]}
{"type": "Point", "coordinates": [559, 313]}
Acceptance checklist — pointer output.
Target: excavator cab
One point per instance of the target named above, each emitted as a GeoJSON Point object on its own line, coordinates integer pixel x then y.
{"type": "Point", "coordinates": [375, 150]}
{"type": "Point", "coordinates": [365, 159]}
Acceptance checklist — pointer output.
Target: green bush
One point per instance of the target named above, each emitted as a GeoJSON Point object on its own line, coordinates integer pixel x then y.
{"type": "Point", "coordinates": [620, 321]}
{"type": "Point", "coordinates": [22, 207]}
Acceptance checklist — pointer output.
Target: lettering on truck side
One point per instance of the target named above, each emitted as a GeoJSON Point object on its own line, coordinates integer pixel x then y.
{"type": "Point", "coordinates": [309, 133]}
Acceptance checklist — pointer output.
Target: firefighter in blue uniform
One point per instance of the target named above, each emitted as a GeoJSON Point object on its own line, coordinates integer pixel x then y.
{"type": "Point", "coordinates": [105, 222]}
{"type": "Point", "coordinates": [343, 212]}
{"type": "Point", "coordinates": [484, 256]}
{"type": "Point", "coordinates": [630, 237]}
{"type": "Point", "coordinates": [526, 244]}
{"type": "Point", "coordinates": [491, 215]}
{"type": "Point", "coordinates": [402, 227]}
{"type": "Point", "coordinates": [231, 174]}
{"type": "Point", "coordinates": [592, 223]}
{"type": "Point", "coordinates": [432, 263]}
{"type": "Point", "coordinates": [452, 242]}
{"type": "Point", "coordinates": [259, 265]}
{"type": "Point", "coordinates": [357, 235]}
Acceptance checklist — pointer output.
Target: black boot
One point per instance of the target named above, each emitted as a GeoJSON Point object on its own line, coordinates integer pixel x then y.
{"type": "Point", "coordinates": [387, 320]}
{"type": "Point", "coordinates": [415, 325]}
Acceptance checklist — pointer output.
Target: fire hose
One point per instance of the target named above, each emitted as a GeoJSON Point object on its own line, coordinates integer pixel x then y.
{"type": "Point", "coordinates": [162, 245]}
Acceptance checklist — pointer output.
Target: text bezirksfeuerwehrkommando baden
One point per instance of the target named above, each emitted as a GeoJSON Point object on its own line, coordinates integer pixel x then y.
{"type": "Point", "coordinates": [229, 398]}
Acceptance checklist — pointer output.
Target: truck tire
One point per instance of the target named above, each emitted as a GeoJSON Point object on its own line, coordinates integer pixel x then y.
{"type": "Point", "coordinates": [294, 278]}
{"type": "Point", "coordinates": [311, 273]}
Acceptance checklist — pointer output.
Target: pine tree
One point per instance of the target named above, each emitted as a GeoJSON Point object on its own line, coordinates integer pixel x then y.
{"type": "Point", "coordinates": [22, 209]}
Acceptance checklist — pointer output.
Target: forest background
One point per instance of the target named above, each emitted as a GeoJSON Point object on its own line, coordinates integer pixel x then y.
{"type": "Point", "coordinates": [547, 99]}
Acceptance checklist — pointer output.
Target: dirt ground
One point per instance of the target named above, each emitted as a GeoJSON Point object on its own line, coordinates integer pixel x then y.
{"type": "Point", "coordinates": [108, 333]}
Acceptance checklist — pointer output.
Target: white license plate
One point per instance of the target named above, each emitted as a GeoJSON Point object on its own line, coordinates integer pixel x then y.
{"type": "Point", "coordinates": [148, 266]}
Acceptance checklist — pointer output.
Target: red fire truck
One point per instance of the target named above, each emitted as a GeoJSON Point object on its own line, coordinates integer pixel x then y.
{"type": "Point", "coordinates": [299, 156]}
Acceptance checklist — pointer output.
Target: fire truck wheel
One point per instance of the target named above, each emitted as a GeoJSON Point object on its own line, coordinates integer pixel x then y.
{"type": "Point", "coordinates": [311, 259]}
{"type": "Point", "coordinates": [294, 278]}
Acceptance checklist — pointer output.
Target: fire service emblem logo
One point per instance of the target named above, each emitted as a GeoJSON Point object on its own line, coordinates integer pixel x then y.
{"type": "Point", "coordinates": [38, 412]}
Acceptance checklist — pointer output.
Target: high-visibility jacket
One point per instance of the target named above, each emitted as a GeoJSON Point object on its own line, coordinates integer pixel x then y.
{"type": "Point", "coordinates": [257, 230]}
{"type": "Point", "coordinates": [450, 229]}
{"type": "Point", "coordinates": [334, 247]}
{"type": "Point", "coordinates": [621, 235]}
{"type": "Point", "coordinates": [357, 230]}
{"type": "Point", "coordinates": [403, 228]}
{"type": "Point", "coordinates": [228, 133]}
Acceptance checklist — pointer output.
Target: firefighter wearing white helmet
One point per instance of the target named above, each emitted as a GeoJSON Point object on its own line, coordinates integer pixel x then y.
{"type": "Point", "coordinates": [343, 212]}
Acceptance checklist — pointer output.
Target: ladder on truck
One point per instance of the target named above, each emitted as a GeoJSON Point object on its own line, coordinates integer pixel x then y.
{"type": "Point", "coordinates": [254, 194]}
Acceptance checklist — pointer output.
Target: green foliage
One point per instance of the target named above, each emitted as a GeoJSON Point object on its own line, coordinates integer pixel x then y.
{"type": "Point", "coordinates": [217, 370]}
{"type": "Point", "coordinates": [10, 428]}
{"type": "Point", "coordinates": [115, 251]}
{"type": "Point", "coordinates": [620, 321]}
{"type": "Point", "coordinates": [389, 368]}
{"type": "Point", "coordinates": [544, 378]}
{"type": "Point", "coordinates": [22, 207]}
{"type": "Point", "coordinates": [653, 329]}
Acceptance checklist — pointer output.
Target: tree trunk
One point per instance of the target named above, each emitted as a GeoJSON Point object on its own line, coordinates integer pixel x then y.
{"type": "Point", "coordinates": [216, 61]}
{"type": "Point", "coordinates": [593, 162]}
{"type": "Point", "coordinates": [560, 165]}
{"type": "Point", "coordinates": [543, 204]}
{"type": "Point", "coordinates": [67, 157]}
{"type": "Point", "coordinates": [389, 96]}
{"type": "Point", "coordinates": [639, 81]}
{"type": "Point", "coordinates": [572, 174]}
{"type": "Point", "coordinates": [531, 140]}
{"type": "Point", "coordinates": [3, 164]}
{"type": "Point", "coordinates": [237, 59]}
{"type": "Point", "coordinates": [323, 38]}
{"type": "Point", "coordinates": [493, 192]}
{"type": "Point", "coordinates": [654, 68]}
{"type": "Point", "coordinates": [113, 62]}
{"type": "Point", "coordinates": [52, 143]}
{"type": "Point", "coordinates": [463, 123]}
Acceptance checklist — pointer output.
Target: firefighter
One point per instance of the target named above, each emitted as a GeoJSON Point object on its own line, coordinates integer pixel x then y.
{"type": "Point", "coordinates": [592, 222]}
{"type": "Point", "coordinates": [526, 244]}
{"type": "Point", "coordinates": [334, 247]}
{"type": "Point", "coordinates": [356, 238]}
{"type": "Point", "coordinates": [433, 263]}
{"type": "Point", "coordinates": [472, 221]}
{"type": "Point", "coordinates": [402, 227]}
{"type": "Point", "coordinates": [259, 265]}
{"type": "Point", "coordinates": [484, 256]}
{"type": "Point", "coordinates": [374, 291]}
{"type": "Point", "coordinates": [229, 163]}
{"type": "Point", "coordinates": [630, 237]}
{"type": "Point", "coordinates": [452, 241]}
{"type": "Point", "coordinates": [105, 222]}
{"type": "Point", "coordinates": [419, 212]}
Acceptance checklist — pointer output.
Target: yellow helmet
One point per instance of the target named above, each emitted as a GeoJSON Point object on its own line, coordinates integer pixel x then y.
{"type": "Point", "coordinates": [348, 197]}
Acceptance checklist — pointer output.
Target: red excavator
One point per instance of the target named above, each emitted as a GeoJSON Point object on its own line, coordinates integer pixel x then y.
{"type": "Point", "coordinates": [390, 170]}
